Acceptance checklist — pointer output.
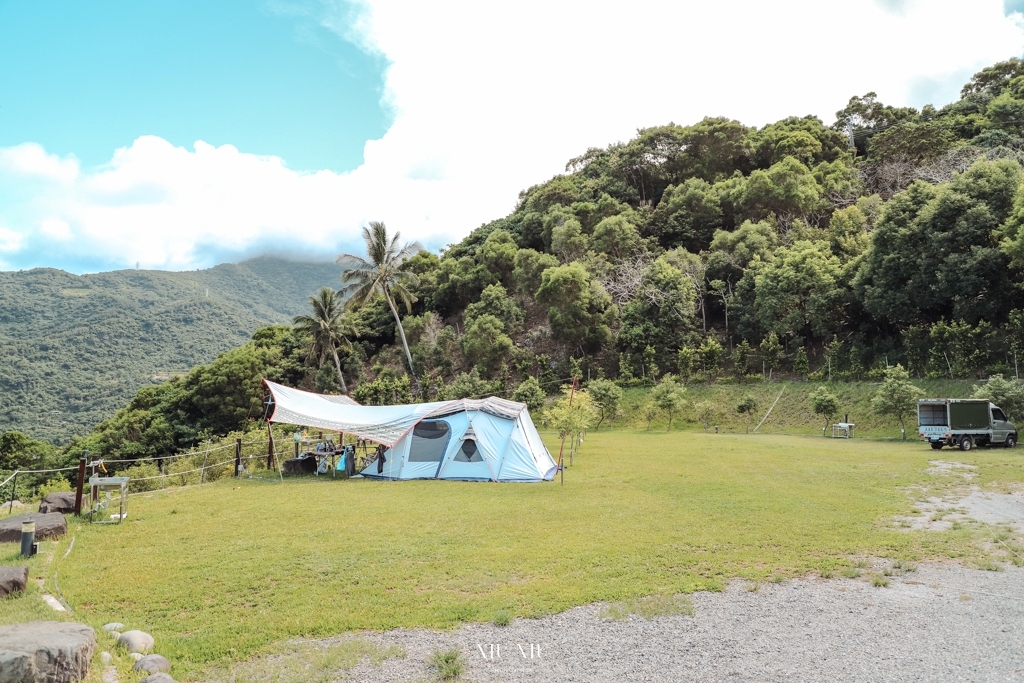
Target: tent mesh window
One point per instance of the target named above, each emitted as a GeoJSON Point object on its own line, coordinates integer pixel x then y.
{"type": "Point", "coordinates": [429, 441]}
{"type": "Point", "coordinates": [468, 452]}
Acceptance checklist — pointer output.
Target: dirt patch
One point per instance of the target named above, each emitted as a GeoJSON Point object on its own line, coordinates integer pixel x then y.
{"type": "Point", "coordinates": [947, 467]}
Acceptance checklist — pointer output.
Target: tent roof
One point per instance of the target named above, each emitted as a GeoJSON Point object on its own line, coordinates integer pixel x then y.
{"type": "Point", "coordinates": [384, 424]}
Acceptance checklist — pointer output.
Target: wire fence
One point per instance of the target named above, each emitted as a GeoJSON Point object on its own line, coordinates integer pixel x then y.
{"type": "Point", "coordinates": [187, 468]}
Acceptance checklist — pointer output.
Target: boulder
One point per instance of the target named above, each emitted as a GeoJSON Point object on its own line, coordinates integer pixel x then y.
{"type": "Point", "coordinates": [58, 501]}
{"type": "Point", "coordinates": [52, 651]}
{"type": "Point", "coordinates": [158, 678]}
{"type": "Point", "coordinates": [152, 664]}
{"type": "Point", "coordinates": [136, 641]}
{"type": "Point", "coordinates": [48, 525]}
{"type": "Point", "coordinates": [13, 580]}
{"type": "Point", "coordinates": [15, 505]}
{"type": "Point", "coordinates": [113, 626]}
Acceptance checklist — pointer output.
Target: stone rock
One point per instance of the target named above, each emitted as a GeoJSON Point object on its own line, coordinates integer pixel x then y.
{"type": "Point", "coordinates": [105, 658]}
{"type": "Point", "coordinates": [52, 651]}
{"type": "Point", "coordinates": [136, 641]}
{"type": "Point", "coordinates": [110, 675]}
{"type": "Point", "coordinates": [136, 655]}
{"type": "Point", "coordinates": [58, 501]}
{"type": "Point", "coordinates": [152, 664]}
{"type": "Point", "coordinates": [13, 580]}
{"type": "Point", "coordinates": [113, 626]}
{"type": "Point", "coordinates": [158, 678]}
{"type": "Point", "coordinates": [48, 525]}
{"type": "Point", "coordinates": [15, 505]}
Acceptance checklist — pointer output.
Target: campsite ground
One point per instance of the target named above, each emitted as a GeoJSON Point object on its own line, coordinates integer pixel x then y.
{"type": "Point", "coordinates": [231, 570]}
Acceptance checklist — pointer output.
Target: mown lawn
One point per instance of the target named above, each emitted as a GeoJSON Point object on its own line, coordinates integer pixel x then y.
{"type": "Point", "coordinates": [223, 571]}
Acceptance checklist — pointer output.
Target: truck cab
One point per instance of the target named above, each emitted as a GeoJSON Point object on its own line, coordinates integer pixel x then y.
{"type": "Point", "coordinates": [964, 422]}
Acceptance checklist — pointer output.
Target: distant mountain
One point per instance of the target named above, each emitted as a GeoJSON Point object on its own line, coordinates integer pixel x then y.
{"type": "Point", "coordinates": [74, 349]}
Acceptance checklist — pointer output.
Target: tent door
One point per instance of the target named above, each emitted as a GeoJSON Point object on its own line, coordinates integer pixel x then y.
{"type": "Point", "coordinates": [429, 441]}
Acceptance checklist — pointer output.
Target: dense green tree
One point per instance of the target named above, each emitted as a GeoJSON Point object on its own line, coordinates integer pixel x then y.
{"type": "Point", "coordinates": [529, 265]}
{"type": "Point", "coordinates": [787, 189]}
{"type": "Point", "coordinates": [661, 313]}
{"type": "Point", "coordinates": [805, 139]}
{"type": "Point", "coordinates": [495, 301]}
{"type": "Point", "coordinates": [799, 291]}
{"type": "Point", "coordinates": [485, 343]}
{"type": "Point", "coordinates": [568, 240]}
{"type": "Point", "coordinates": [935, 252]}
{"type": "Point", "coordinates": [731, 253]}
{"type": "Point", "coordinates": [579, 308]}
{"type": "Point", "coordinates": [498, 253]}
{"type": "Point", "coordinates": [530, 393]}
{"type": "Point", "coordinates": [687, 216]}
{"type": "Point", "coordinates": [616, 237]}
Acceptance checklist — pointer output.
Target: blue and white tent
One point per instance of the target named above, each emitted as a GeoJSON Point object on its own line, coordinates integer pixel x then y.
{"type": "Point", "coordinates": [489, 439]}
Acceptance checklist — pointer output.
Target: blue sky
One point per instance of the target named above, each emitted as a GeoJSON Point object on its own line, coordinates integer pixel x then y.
{"type": "Point", "coordinates": [182, 134]}
{"type": "Point", "coordinates": [85, 78]}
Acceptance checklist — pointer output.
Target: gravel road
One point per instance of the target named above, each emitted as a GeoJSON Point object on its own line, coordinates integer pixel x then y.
{"type": "Point", "coordinates": [940, 623]}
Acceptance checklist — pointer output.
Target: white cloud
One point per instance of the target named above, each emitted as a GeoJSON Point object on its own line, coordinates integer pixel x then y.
{"type": "Point", "coordinates": [489, 99]}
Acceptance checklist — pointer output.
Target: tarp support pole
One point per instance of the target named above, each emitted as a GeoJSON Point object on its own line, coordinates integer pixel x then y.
{"type": "Point", "coordinates": [270, 447]}
{"type": "Point", "coordinates": [561, 466]}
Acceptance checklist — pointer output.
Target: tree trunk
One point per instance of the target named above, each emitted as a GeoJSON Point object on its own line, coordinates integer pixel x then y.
{"type": "Point", "coordinates": [405, 344]}
{"type": "Point", "coordinates": [337, 364]}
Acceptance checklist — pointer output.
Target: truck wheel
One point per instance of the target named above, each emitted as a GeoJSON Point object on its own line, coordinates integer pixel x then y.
{"type": "Point", "coordinates": [966, 443]}
{"type": "Point", "coordinates": [1011, 441]}
{"type": "Point", "coordinates": [936, 445]}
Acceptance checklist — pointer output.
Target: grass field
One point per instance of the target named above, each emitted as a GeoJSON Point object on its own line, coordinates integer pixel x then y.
{"type": "Point", "coordinates": [793, 413]}
{"type": "Point", "coordinates": [228, 570]}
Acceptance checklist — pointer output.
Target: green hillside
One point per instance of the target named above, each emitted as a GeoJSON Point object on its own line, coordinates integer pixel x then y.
{"type": "Point", "coordinates": [77, 348]}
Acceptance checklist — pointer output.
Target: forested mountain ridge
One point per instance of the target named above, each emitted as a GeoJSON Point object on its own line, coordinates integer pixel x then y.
{"type": "Point", "coordinates": [76, 348]}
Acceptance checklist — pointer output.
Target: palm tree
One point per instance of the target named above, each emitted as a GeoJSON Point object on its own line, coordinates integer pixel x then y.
{"type": "Point", "coordinates": [328, 328]}
{"type": "Point", "coordinates": [381, 272]}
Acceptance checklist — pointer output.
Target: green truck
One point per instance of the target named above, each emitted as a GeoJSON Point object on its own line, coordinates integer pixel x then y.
{"type": "Point", "coordinates": [964, 422]}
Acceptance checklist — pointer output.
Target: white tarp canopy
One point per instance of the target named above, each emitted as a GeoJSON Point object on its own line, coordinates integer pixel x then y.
{"type": "Point", "coordinates": [488, 439]}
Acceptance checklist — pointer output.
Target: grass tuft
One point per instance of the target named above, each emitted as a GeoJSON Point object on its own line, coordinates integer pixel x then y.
{"type": "Point", "coordinates": [649, 607]}
{"type": "Point", "coordinates": [306, 662]}
{"type": "Point", "coordinates": [851, 573]}
{"type": "Point", "coordinates": [448, 665]}
{"type": "Point", "coordinates": [988, 565]}
{"type": "Point", "coordinates": [502, 617]}
{"type": "Point", "coordinates": [879, 581]}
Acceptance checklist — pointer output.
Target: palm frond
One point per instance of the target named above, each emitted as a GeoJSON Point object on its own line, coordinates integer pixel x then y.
{"type": "Point", "coordinates": [353, 262]}
{"type": "Point", "coordinates": [359, 293]}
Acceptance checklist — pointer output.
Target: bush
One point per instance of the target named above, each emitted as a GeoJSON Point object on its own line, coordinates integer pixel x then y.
{"type": "Point", "coordinates": [52, 486]}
